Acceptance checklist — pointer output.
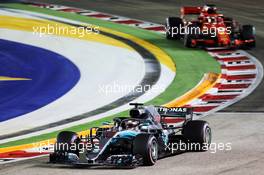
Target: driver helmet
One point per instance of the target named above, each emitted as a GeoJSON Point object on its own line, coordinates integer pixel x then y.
{"type": "Point", "coordinates": [132, 124]}
{"type": "Point", "coordinates": [210, 9]}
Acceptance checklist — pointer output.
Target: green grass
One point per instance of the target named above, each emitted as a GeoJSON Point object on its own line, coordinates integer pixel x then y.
{"type": "Point", "coordinates": [191, 65]}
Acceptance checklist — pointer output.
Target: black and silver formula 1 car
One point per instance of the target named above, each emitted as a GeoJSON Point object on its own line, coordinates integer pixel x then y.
{"type": "Point", "coordinates": [148, 134]}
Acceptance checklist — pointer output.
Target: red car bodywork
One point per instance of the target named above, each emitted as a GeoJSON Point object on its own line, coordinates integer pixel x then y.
{"type": "Point", "coordinates": [210, 19]}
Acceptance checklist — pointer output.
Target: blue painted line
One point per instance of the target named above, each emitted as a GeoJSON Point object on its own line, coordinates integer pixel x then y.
{"type": "Point", "coordinates": [52, 75]}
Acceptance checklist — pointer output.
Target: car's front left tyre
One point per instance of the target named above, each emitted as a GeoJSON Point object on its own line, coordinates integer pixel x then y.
{"type": "Point", "coordinates": [173, 26]}
{"type": "Point", "coordinates": [66, 141]}
{"type": "Point", "coordinates": [146, 146]}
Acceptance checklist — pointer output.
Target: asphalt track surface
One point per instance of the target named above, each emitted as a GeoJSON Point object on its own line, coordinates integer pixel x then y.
{"type": "Point", "coordinates": [244, 130]}
{"type": "Point", "coordinates": [246, 156]}
{"type": "Point", "coordinates": [244, 11]}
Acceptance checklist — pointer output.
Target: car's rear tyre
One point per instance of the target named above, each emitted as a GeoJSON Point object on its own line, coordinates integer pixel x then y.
{"type": "Point", "coordinates": [146, 146]}
{"type": "Point", "coordinates": [173, 24]}
{"type": "Point", "coordinates": [248, 33]}
{"type": "Point", "coordinates": [199, 135]}
{"type": "Point", "coordinates": [64, 143]}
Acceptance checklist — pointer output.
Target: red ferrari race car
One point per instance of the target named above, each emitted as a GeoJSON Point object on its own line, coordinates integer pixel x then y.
{"type": "Point", "coordinates": [209, 29]}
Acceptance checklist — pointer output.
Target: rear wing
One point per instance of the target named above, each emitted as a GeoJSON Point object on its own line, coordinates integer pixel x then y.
{"type": "Point", "coordinates": [190, 11]}
{"type": "Point", "coordinates": [175, 114]}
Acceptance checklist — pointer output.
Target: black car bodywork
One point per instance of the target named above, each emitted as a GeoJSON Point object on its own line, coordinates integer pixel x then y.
{"type": "Point", "coordinates": [140, 139]}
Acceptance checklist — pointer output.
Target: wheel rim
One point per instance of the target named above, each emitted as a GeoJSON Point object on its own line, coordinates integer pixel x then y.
{"type": "Point", "coordinates": [207, 135]}
{"type": "Point", "coordinates": [154, 150]}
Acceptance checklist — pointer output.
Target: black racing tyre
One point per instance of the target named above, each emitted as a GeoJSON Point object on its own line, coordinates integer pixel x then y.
{"type": "Point", "coordinates": [65, 140]}
{"type": "Point", "coordinates": [173, 25]}
{"type": "Point", "coordinates": [146, 146]}
{"type": "Point", "coordinates": [191, 33]}
{"type": "Point", "coordinates": [187, 41]}
{"type": "Point", "coordinates": [199, 135]}
{"type": "Point", "coordinates": [248, 33]}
